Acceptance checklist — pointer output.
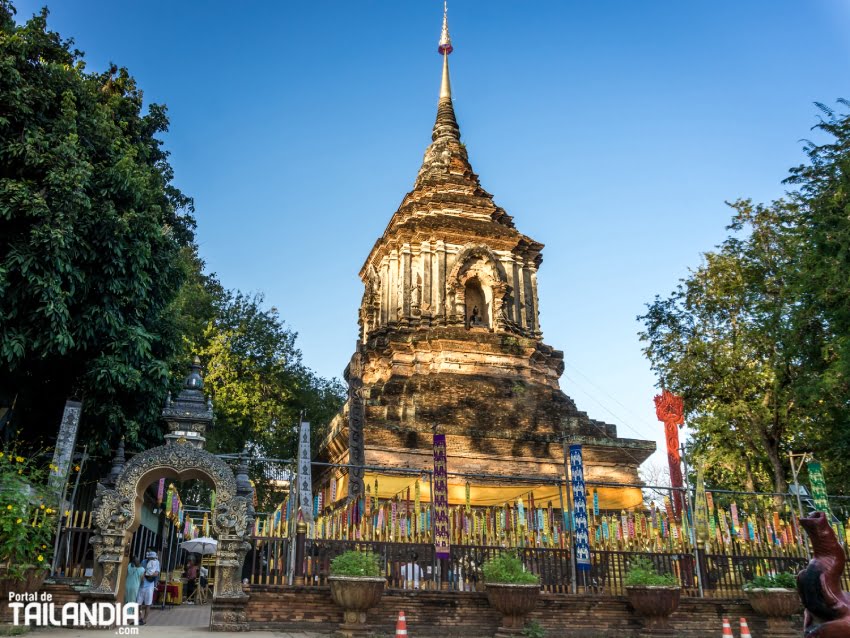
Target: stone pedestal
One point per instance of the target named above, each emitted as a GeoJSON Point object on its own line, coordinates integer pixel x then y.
{"type": "Point", "coordinates": [778, 606]}
{"type": "Point", "coordinates": [781, 628]}
{"type": "Point", "coordinates": [654, 605]}
{"type": "Point", "coordinates": [356, 595]}
{"type": "Point", "coordinates": [514, 602]}
{"type": "Point", "coordinates": [229, 614]}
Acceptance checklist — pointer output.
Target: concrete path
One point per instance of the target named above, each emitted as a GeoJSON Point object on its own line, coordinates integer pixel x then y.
{"type": "Point", "coordinates": [149, 631]}
{"type": "Point", "coordinates": [180, 616]}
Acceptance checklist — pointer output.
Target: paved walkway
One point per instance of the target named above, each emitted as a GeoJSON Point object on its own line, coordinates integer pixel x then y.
{"type": "Point", "coordinates": [182, 621]}
{"type": "Point", "coordinates": [149, 631]}
{"type": "Point", "coordinates": [180, 616]}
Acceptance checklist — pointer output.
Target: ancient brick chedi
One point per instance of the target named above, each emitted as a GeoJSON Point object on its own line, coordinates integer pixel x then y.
{"type": "Point", "coordinates": [450, 338]}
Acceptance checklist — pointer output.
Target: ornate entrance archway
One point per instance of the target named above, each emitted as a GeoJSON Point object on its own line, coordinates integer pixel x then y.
{"type": "Point", "coordinates": [117, 507]}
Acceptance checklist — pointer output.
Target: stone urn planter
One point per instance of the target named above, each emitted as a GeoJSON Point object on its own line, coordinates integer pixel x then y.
{"type": "Point", "coordinates": [654, 604]}
{"type": "Point", "coordinates": [356, 595]}
{"type": "Point", "coordinates": [30, 583]}
{"type": "Point", "coordinates": [514, 602]}
{"type": "Point", "coordinates": [777, 605]}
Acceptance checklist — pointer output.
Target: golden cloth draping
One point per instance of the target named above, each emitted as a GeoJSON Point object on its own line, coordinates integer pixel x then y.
{"type": "Point", "coordinates": [489, 494]}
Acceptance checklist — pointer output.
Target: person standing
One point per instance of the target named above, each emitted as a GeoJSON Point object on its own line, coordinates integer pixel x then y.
{"type": "Point", "coordinates": [134, 580]}
{"type": "Point", "coordinates": [411, 572]}
{"type": "Point", "coordinates": [190, 573]}
{"type": "Point", "coordinates": [148, 588]}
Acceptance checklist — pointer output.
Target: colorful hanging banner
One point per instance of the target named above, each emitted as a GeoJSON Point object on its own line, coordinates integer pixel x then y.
{"type": "Point", "coordinates": [441, 498]}
{"type": "Point", "coordinates": [818, 485]}
{"type": "Point", "coordinates": [305, 480]}
{"type": "Point", "coordinates": [582, 539]}
{"type": "Point", "coordinates": [160, 491]}
{"type": "Point", "coordinates": [669, 409]}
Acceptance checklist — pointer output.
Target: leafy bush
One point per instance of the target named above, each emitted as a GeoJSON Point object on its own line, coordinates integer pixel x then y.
{"type": "Point", "coordinates": [507, 568]}
{"type": "Point", "coordinates": [783, 580]}
{"type": "Point", "coordinates": [27, 515]}
{"type": "Point", "coordinates": [642, 573]}
{"type": "Point", "coordinates": [354, 563]}
{"type": "Point", "coordinates": [534, 630]}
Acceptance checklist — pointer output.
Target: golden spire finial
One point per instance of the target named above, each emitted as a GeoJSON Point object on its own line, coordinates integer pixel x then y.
{"type": "Point", "coordinates": [445, 48]}
{"type": "Point", "coordinates": [445, 85]}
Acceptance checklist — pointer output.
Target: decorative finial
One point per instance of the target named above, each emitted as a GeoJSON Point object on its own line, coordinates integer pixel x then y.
{"type": "Point", "coordinates": [445, 48]}
{"type": "Point", "coordinates": [118, 461]}
{"type": "Point", "coordinates": [194, 381]}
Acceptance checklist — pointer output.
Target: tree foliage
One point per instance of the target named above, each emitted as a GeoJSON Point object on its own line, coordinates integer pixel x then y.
{"type": "Point", "coordinates": [723, 340]}
{"type": "Point", "coordinates": [757, 338]}
{"type": "Point", "coordinates": [254, 371]}
{"type": "Point", "coordinates": [823, 276]}
{"type": "Point", "coordinates": [90, 232]}
{"type": "Point", "coordinates": [104, 297]}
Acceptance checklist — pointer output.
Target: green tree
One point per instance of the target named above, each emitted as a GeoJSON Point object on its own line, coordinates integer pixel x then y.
{"type": "Point", "coordinates": [758, 337]}
{"type": "Point", "coordinates": [724, 339]}
{"type": "Point", "coordinates": [255, 376]}
{"type": "Point", "coordinates": [254, 370]}
{"type": "Point", "coordinates": [823, 313]}
{"type": "Point", "coordinates": [258, 381]}
{"type": "Point", "coordinates": [91, 229]}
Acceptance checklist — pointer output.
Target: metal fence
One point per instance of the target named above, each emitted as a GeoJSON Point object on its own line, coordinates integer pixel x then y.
{"type": "Point", "coordinates": [405, 565]}
{"type": "Point", "coordinates": [749, 535]}
{"type": "Point", "coordinates": [723, 575]}
{"type": "Point", "coordinates": [75, 557]}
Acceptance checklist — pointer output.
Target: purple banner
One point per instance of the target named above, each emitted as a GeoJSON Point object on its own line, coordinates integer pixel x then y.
{"type": "Point", "coordinates": [440, 496]}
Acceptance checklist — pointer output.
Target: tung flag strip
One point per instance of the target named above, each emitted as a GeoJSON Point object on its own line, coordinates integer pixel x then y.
{"type": "Point", "coordinates": [441, 498]}
{"type": "Point", "coordinates": [305, 479]}
{"type": "Point", "coordinates": [582, 540]}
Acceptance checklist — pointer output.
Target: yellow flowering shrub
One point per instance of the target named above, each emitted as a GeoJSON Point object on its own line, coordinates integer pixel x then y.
{"type": "Point", "coordinates": [27, 514]}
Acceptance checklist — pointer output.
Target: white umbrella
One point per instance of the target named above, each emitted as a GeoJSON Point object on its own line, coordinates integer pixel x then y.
{"type": "Point", "coordinates": [202, 545]}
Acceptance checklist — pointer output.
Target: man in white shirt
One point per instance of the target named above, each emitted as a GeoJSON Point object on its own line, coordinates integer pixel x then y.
{"type": "Point", "coordinates": [204, 578]}
{"type": "Point", "coordinates": [411, 573]}
{"type": "Point", "coordinates": [148, 588]}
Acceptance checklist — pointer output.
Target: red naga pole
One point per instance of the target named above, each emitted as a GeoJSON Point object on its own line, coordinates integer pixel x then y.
{"type": "Point", "coordinates": [669, 408]}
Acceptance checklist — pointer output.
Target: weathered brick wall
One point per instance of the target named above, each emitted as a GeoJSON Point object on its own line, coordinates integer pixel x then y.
{"type": "Point", "coordinates": [62, 593]}
{"type": "Point", "coordinates": [468, 615]}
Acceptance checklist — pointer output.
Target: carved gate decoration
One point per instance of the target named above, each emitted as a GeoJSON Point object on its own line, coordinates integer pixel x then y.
{"type": "Point", "coordinates": [117, 507]}
{"type": "Point", "coordinates": [117, 514]}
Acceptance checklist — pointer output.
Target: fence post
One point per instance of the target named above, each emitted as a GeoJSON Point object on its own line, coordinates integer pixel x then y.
{"type": "Point", "coordinates": [701, 566]}
{"type": "Point", "coordinates": [300, 547]}
{"type": "Point", "coordinates": [689, 512]}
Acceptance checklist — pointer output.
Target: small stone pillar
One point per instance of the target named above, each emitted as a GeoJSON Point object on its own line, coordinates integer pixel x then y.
{"type": "Point", "coordinates": [109, 544]}
{"type": "Point", "coordinates": [64, 451]}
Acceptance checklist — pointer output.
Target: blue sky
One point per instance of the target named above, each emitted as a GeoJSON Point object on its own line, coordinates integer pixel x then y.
{"type": "Point", "coordinates": [613, 132]}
